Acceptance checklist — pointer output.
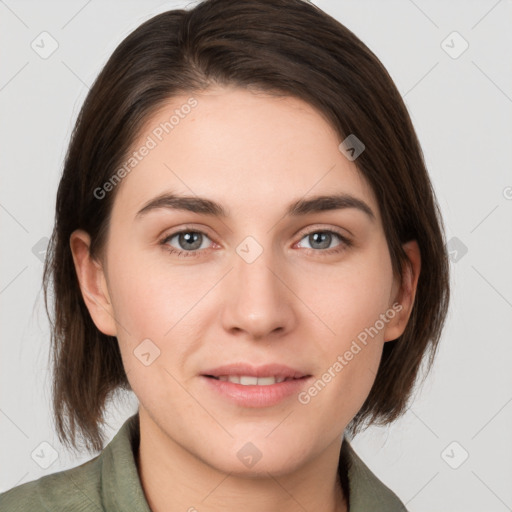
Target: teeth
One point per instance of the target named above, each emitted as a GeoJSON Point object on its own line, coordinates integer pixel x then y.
{"type": "Point", "coordinates": [246, 380]}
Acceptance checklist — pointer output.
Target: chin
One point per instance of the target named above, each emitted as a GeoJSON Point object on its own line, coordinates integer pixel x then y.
{"type": "Point", "coordinates": [254, 459]}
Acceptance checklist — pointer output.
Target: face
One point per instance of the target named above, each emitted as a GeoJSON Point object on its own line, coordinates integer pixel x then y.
{"type": "Point", "coordinates": [187, 292]}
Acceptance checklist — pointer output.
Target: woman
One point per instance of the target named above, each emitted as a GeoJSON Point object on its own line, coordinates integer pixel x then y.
{"type": "Point", "coordinates": [246, 236]}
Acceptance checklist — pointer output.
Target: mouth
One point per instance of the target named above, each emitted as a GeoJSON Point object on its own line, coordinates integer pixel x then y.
{"type": "Point", "coordinates": [245, 374]}
{"type": "Point", "coordinates": [248, 380]}
{"type": "Point", "coordinates": [255, 387]}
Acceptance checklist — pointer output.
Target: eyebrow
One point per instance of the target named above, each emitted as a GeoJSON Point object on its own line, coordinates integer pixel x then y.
{"type": "Point", "coordinates": [202, 205]}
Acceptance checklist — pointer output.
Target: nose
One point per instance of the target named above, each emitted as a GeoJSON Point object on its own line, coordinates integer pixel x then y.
{"type": "Point", "coordinates": [258, 300]}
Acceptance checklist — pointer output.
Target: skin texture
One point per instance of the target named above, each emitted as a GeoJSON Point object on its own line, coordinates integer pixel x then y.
{"type": "Point", "coordinates": [295, 305]}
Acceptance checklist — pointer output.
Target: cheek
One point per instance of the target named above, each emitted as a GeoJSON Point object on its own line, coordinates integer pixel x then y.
{"type": "Point", "coordinates": [137, 299]}
{"type": "Point", "coordinates": [160, 302]}
{"type": "Point", "coordinates": [354, 295]}
{"type": "Point", "coordinates": [150, 297]}
{"type": "Point", "coordinates": [351, 303]}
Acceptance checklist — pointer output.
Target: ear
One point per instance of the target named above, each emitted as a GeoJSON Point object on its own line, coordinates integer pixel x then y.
{"type": "Point", "coordinates": [93, 284]}
{"type": "Point", "coordinates": [403, 298]}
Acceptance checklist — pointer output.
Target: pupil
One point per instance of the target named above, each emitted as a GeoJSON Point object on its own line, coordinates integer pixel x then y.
{"type": "Point", "coordinates": [322, 236]}
{"type": "Point", "coordinates": [190, 239]}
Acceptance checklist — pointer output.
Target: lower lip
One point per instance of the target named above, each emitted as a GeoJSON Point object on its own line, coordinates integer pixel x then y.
{"type": "Point", "coordinates": [256, 396]}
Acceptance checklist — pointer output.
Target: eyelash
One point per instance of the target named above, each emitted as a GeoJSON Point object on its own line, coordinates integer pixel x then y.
{"type": "Point", "coordinates": [345, 243]}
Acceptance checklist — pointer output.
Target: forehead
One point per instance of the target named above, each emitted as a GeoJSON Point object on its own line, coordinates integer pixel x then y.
{"type": "Point", "coordinates": [246, 149]}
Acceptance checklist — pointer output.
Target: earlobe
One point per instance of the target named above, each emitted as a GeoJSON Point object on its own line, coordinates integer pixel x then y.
{"type": "Point", "coordinates": [93, 284]}
{"type": "Point", "coordinates": [406, 292]}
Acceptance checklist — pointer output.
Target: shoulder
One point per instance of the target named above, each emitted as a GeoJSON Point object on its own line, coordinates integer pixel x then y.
{"type": "Point", "coordinates": [76, 489]}
{"type": "Point", "coordinates": [109, 481]}
{"type": "Point", "coordinates": [367, 492]}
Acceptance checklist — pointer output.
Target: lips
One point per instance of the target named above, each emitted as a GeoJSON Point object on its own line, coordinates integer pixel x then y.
{"type": "Point", "coordinates": [250, 386]}
{"type": "Point", "coordinates": [247, 373]}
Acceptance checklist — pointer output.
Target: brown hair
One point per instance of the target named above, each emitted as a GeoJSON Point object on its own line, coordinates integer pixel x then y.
{"type": "Point", "coordinates": [285, 47]}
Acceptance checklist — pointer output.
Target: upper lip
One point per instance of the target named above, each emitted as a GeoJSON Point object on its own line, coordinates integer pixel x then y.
{"type": "Point", "coordinates": [267, 370]}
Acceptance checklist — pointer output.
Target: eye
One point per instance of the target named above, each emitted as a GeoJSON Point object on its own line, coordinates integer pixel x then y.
{"type": "Point", "coordinates": [320, 241]}
{"type": "Point", "coordinates": [189, 242]}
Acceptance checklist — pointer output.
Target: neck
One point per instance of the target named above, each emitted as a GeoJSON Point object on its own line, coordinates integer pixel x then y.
{"type": "Point", "coordinates": [174, 479]}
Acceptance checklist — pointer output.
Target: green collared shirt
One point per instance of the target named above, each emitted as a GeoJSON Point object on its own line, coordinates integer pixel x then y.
{"type": "Point", "coordinates": [110, 482]}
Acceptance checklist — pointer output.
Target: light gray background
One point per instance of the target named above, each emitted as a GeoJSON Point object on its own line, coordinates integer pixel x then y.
{"type": "Point", "coordinates": [461, 108]}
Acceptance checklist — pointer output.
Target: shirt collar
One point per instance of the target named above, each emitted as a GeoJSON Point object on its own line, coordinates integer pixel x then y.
{"type": "Point", "coordinates": [120, 482]}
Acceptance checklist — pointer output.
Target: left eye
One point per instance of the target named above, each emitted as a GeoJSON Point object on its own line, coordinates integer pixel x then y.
{"type": "Point", "coordinates": [188, 240]}
{"type": "Point", "coordinates": [321, 239]}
